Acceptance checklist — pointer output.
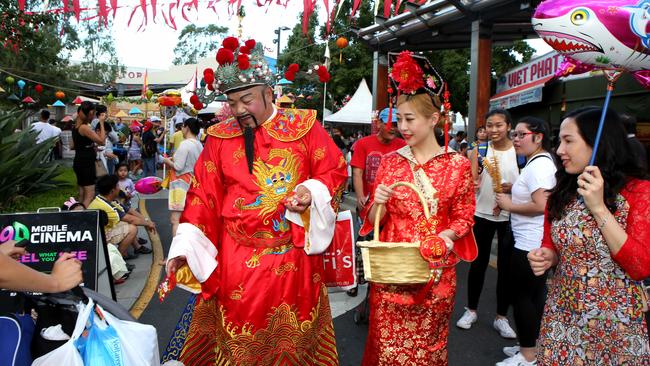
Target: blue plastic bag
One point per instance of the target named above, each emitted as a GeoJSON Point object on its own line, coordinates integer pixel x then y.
{"type": "Point", "coordinates": [99, 344]}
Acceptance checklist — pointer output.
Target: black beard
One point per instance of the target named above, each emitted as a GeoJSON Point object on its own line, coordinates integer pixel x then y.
{"type": "Point", "coordinates": [249, 143]}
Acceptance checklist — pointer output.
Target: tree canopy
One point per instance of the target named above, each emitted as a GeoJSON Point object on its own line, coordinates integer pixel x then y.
{"type": "Point", "coordinates": [33, 47]}
{"type": "Point", "coordinates": [453, 65]}
{"type": "Point", "coordinates": [101, 64]}
{"type": "Point", "coordinates": [196, 42]}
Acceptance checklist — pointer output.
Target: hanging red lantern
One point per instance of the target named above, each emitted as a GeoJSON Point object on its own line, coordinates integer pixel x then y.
{"type": "Point", "coordinates": [341, 43]}
{"type": "Point", "coordinates": [38, 88]}
{"type": "Point", "coordinates": [59, 94]}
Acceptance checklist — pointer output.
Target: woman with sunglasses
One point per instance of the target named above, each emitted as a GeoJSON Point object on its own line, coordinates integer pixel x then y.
{"type": "Point", "coordinates": [529, 194]}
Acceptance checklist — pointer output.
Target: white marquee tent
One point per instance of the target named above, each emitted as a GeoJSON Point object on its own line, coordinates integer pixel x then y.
{"type": "Point", "coordinates": [358, 110]}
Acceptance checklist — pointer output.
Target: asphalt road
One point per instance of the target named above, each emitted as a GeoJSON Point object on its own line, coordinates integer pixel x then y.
{"type": "Point", "coordinates": [479, 346]}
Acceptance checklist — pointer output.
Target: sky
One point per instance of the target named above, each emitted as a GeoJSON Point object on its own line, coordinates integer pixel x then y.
{"type": "Point", "coordinates": [153, 47]}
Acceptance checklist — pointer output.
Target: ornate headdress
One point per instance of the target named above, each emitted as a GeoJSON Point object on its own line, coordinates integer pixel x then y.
{"type": "Point", "coordinates": [241, 65]}
{"type": "Point", "coordinates": [413, 74]}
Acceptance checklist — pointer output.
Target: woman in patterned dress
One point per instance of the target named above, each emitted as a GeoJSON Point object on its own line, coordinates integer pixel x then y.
{"type": "Point", "coordinates": [409, 324]}
{"type": "Point", "coordinates": [596, 233]}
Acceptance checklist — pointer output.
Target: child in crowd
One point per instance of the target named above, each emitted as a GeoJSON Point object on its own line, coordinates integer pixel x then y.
{"type": "Point", "coordinates": [119, 268]}
{"type": "Point", "coordinates": [135, 151]}
{"type": "Point", "coordinates": [125, 183]}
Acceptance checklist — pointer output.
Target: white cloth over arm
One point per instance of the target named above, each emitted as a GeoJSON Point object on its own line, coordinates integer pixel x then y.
{"type": "Point", "coordinates": [198, 250]}
{"type": "Point", "coordinates": [322, 218]}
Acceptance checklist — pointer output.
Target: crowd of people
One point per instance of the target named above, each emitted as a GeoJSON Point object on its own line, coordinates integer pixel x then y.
{"type": "Point", "coordinates": [253, 204]}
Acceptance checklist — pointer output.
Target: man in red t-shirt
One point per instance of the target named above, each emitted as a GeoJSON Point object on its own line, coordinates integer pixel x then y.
{"type": "Point", "coordinates": [367, 153]}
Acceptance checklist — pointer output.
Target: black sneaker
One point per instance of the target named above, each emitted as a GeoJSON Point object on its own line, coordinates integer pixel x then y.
{"type": "Point", "coordinates": [142, 241]}
{"type": "Point", "coordinates": [143, 250]}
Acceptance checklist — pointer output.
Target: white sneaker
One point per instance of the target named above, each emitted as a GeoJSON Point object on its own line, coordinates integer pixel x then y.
{"type": "Point", "coordinates": [503, 327]}
{"type": "Point", "coordinates": [511, 351]}
{"type": "Point", "coordinates": [468, 318]}
{"type": "Point", "coordinates": [516, 360]}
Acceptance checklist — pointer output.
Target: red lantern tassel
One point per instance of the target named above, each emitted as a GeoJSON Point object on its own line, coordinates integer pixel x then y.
{"type": "Point", "coordinates": [445, 115]}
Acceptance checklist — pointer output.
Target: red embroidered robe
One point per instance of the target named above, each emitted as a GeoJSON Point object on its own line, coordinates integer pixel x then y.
{"type": "Point", "coordinates": [264, 304]}
{"type": "Point", "coordinates": [403, 331]}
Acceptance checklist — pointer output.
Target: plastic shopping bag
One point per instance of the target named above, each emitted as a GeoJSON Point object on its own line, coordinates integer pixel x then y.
{"type": "Point", "coordinates": [139, 341]}
{"type": "Point", "coordinates": [100, 345]}
{"type": "Point", "coordinates": [68, 354]}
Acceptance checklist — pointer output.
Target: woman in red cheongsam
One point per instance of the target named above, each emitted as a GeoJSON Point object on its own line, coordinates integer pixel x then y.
{"type": "Point", "coordinates": [409, 323]}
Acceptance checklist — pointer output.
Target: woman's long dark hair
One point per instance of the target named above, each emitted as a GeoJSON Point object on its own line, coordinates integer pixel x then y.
{"type": "Point", "coordinates": [615, 159]}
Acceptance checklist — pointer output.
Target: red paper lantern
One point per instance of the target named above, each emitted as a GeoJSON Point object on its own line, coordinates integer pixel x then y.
{"type": "Point", "coordinates": [38, 88]}
{"type": "Point", "coordinates": [169, 101]}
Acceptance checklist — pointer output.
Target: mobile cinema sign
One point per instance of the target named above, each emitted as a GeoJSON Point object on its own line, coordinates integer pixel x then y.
{"type": "Point", "coordinates": [52, 233]}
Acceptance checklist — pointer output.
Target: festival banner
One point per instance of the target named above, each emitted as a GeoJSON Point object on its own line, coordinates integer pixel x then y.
{"type": "Point", "coordinates": [340, 266]}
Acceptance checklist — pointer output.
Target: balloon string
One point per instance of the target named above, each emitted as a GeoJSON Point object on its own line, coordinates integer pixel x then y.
{"type": "Point", "coordinates": [601, 124]}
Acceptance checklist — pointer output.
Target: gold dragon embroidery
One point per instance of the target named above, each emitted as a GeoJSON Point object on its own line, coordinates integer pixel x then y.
{"type": "Point", "coordinates": [275, 182]}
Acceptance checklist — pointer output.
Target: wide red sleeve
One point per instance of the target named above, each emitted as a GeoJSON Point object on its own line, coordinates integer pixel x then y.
{"type": "Point", "coordinates": [204, 201]}
{"type": "Point", "coordinates": [547, 242]}
{"type": "Point", "coordinates": [461, 218]}
{"type": "Point", "coordinates": [327, 163]}
{"type": "Point", "coordinates": [634, 256]}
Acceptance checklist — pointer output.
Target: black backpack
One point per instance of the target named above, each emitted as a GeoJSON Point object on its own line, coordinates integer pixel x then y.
{"type": "Point", "coordinates": [149, 145]}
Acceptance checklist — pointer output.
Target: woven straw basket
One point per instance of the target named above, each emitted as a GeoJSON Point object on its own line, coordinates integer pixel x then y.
{"type": "Point", "coordinates": [395, 263]}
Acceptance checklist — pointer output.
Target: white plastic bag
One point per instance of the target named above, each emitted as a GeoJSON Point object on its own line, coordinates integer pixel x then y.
{"type": "Point", "coordinates": [139, 341]}
{"type": "Point", "coordinates": [68, 354]}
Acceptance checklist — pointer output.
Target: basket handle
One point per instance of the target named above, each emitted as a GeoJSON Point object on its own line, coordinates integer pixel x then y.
{"type": "Point", "coordinates": [423, 200]}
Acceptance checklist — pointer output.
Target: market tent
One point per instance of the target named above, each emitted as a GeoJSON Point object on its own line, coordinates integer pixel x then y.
{"type": "Point", "coordinates": [135, 110]}
{"type": "Point", "coordinates": [121, 114]}
{"type": "Point", "coordinates": [358, 110]}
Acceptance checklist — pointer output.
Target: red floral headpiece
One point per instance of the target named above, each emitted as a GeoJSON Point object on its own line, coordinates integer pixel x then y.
{"type": "Point", "coordinates": [407, 73]}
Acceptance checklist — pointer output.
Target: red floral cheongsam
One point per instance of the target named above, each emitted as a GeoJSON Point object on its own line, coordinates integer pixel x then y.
{"type": "Point", "coordinates": [402, 330]}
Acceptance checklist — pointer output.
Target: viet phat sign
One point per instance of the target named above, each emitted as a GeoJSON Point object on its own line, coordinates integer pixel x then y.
{"type": "Point", "coordinates": [54, 233]}
{"type": "Point", "coordinates": [523, 84]}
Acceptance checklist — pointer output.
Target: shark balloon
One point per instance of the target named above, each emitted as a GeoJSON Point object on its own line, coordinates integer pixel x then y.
{"type": "Point", "coordinates": [598, 34]}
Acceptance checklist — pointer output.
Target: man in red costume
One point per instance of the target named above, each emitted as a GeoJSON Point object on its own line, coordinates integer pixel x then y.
{"type": "Point", "coordinates": [261, 209]}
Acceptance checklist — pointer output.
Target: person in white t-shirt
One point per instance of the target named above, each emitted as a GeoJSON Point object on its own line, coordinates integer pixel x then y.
{"type": "Point", "coordinates": [529, 194]}
{"type": "Point", "coordinates": [44, 129]}
{"type": "Point", "coordinates": [489, 220]}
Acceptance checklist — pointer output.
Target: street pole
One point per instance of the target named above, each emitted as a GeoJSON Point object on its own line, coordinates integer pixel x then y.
{"type": "Point", "coordinates": [327, 64]}
{"type": "Point", "coordinates": [278, 32]}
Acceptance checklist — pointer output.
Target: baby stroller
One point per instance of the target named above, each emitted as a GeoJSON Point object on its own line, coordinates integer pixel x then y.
{"type": "Point", "coordinates": [25, 315]}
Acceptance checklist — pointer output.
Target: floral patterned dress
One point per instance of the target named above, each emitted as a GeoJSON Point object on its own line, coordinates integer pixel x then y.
{"type": "Point", "coordinates": [402, 330]}
{"type": "Point", "coordinates": [594, 312]}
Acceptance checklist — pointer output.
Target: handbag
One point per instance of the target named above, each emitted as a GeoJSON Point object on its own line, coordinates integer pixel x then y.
{"type": "Point", "coordinates": [100, 169]}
